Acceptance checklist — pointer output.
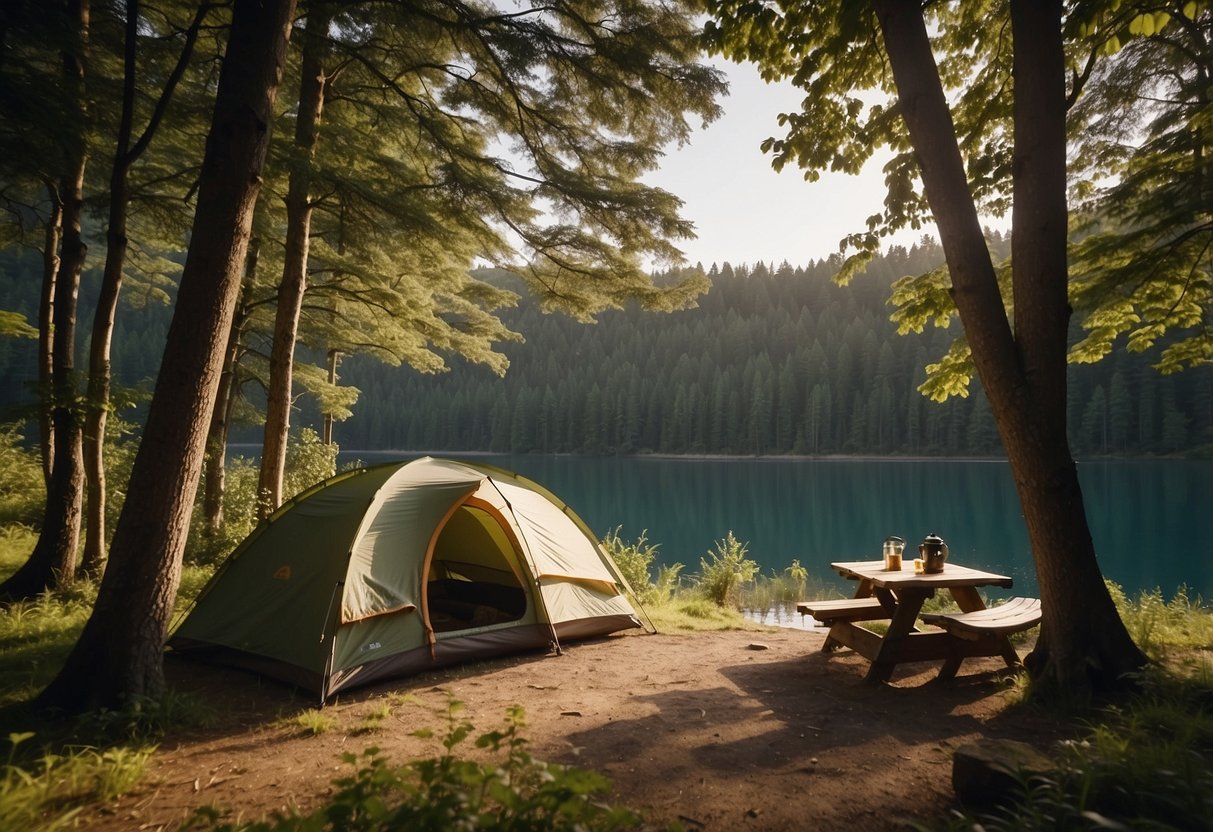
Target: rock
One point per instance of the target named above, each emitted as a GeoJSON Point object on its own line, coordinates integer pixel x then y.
{"type": "Point", "coordinates": [758, 645]}
{"type": "Point", "coordinates": [988, 772]}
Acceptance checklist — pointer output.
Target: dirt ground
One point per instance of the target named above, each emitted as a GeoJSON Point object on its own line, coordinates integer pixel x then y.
{"type": "Point", "coordinates": [717, 731]}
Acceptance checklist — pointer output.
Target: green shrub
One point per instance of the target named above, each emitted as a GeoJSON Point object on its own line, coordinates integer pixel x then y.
{"type": "Point", "coordinates": [22, 490]}
{"type": "Point", "coordinates": [1156, 624]}
{"type": "Point", "coordinates": [515, 792]}
{"type": "Point", "coordinates": [725, 569]}
{"type": "Point", "coordinates": [635, 561]}
{"type": "Point", "coordinates": [1145, 763]}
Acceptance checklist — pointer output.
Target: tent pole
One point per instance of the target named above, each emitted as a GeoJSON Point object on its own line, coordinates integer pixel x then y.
{"type": "Point", "coordinates": [652, 630]}
{"type": "Point", "coordinates": [329, 632]}
{"type": "Point", "coordinates": [526, 546]}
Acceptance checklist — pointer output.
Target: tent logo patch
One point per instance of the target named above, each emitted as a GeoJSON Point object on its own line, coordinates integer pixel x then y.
{"type": "Point", "coordinates": [283, 573]}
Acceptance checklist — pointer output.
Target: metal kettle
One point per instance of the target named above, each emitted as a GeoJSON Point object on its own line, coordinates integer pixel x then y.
{"type": "Point", "coordinates": [934, 552]}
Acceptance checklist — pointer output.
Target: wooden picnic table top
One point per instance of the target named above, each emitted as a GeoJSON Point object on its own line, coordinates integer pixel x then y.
{"type": "Point", "coordinates": [953, 575]}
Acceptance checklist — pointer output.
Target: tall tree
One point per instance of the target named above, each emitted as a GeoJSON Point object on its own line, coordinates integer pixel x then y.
{"type": "Point", "coordinates": [299, 206]}
{"type": "Point", "coordinates": [460, 81]}
{"type": "Point", "coordinates": [53, 561]}
{"type": "Point", "coordinates": [127, 151]}
{"type": "Point", "coordinates": [835, 50]}
{"type": "Point", "coordinates": [119, 654]}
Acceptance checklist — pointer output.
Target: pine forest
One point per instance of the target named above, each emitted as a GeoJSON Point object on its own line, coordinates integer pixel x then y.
{"type": "Point", "coordinates": [771, 361]}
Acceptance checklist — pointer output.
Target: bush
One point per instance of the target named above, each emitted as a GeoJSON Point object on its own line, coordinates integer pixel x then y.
{"type": "Point", "coordinates": [725, 569]}
{"type": "Point", "coordinates": [517, 792]}
{"type": "Point", "coordinates": [22, 491]}
{"type": "Point", "coordinates": [635, 561]}
{"type": "Point", "coordinates": [1156, 624]}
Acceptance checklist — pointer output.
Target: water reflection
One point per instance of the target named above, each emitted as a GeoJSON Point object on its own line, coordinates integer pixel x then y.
{"type": "Point", "coordinates": [1148, 518]}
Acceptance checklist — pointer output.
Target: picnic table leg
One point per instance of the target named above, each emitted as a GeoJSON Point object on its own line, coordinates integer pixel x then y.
{"type": "Point", "coordinates": [950, 666]}
{"type": "Point", "coordinates": [831, 644]}
{"type": "Point", "coordinates": [863, 590]}
{"type": "Point", "coordinates": [909, 602]}
{"type": "Point", "coordinates": [967, 598]}
{"type": "Point", "coordinates": [1009, 653]}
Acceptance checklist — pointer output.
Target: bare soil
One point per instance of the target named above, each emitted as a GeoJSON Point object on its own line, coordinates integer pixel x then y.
{"type": "Point", "coordinates": [716, 731]}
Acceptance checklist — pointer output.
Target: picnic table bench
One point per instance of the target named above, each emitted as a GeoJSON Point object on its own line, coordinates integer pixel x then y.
{"type": "Point", "coordinates": [844, 609]}
{"type": "Point", "coordinates": [992, 625]}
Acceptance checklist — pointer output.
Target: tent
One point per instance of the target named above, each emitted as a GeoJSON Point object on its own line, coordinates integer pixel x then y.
{"type": "Point", "coordinates": [390, 570]}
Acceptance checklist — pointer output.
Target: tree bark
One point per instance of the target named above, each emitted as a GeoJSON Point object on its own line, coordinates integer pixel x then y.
{"type": "Point", "coordinates": [53, 561]}
{"type": "Point", "coordinates": [100, 373]}
{"type": "Point", "coordinates": [215, 481]}
{"type": "Point", "coordinates": [334, 357]}
{"type": "Point", "coordinates": [118, 658]}
{"type": "Point", "coordinates": [294, 268]}
{"type": "Point", "coordinates": [1091, 650]}
{"type": "Point", "coordinates": [97, 398]}
{"type": "Point", "coordinates": [1083, 646]}
{"type": "Point", "coordinates": [46, 329]}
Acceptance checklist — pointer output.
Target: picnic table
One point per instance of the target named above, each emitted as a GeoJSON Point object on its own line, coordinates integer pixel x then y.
{"type": "Point", "coordinates": [898, 595]}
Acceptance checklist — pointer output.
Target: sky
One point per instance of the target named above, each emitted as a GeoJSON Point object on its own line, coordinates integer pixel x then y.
{"type": "Point", "coordinates": [745, 212]}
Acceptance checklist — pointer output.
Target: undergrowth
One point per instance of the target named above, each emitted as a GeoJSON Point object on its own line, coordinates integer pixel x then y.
{"type": "Point", "coordinates": [509, 791]}
{"type": "Point", "coordinates": [48, 792]}
{"type": "Point", "coordinates": [1144, 763]}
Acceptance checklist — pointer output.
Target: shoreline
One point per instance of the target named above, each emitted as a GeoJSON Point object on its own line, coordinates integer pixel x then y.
{"type": "Point", "coordinates": [410, 453]}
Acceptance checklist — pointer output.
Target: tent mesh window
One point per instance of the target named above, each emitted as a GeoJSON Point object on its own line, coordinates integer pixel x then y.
{"type": "Point", "coordinates": [471, 581]}
{"type": "Point", "coordinates": [466, 595]}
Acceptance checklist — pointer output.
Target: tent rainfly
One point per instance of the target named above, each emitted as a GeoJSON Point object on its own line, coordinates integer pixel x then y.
{"type": "Point", "coordinates": [385, 571]}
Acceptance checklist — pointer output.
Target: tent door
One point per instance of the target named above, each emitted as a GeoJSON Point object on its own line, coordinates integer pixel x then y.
{"type": "Point", "coordinates": [473, 578]}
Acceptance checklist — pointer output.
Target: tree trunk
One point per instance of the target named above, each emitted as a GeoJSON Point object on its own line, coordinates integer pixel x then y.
{"type": "Point", "coordinates": [119, 655]}
{"type": "Point", "coordinates": [46, 329]}
{"type": "Point", "coordinates": [100, 372]}
{"type": "Point", "coordinates": [294, 267]}
{"type": "Point", "coordinates": [1091, 651]}
{"type": "Point", "coordinates": [215, 482]}
{"type": "Point", "coordinates": [1022, 372]}
{"type": "Point", "coordinates": [334, 359]}
{"type": "Point", "coordinates": [53, 561]}
{"type": "Point", "coordinates": [97, 399]}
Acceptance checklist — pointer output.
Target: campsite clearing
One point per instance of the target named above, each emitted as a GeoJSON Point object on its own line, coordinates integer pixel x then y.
{"type": "Point", "coordinates": [698, 728]}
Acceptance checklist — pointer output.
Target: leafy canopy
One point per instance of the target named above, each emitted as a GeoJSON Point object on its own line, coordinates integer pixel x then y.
{"type": "Point", "coordinates": [1137, 166]}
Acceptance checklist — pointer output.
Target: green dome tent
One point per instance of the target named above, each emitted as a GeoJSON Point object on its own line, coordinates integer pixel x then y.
{"type": "Point", "coordinates": [385, 571]}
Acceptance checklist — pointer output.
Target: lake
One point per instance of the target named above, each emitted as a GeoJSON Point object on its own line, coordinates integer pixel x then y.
{"type": "Point", "coordinates": [1151, 519]}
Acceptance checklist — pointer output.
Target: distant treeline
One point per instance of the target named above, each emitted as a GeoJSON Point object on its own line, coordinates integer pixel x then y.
{"type": "Point", "coordinates": [773, 361]}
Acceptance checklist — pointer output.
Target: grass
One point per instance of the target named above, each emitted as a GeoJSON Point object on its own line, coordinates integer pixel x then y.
{"type": "Point", "coordinates": [48, 792]}
{"type": "Point", "coordinates": [35, 636]}
{"type": "Point", "coordinates": [313, 721]}
{"type": "Point", "coordinates": [693, 614]}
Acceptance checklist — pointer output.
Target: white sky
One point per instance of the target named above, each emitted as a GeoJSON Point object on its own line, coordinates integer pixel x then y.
{"type": "Point", "coordinates": [743, 211]}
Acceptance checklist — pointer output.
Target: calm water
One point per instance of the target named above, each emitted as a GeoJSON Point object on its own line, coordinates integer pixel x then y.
{"type": "Point", "coordinates": [1152, 520]}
